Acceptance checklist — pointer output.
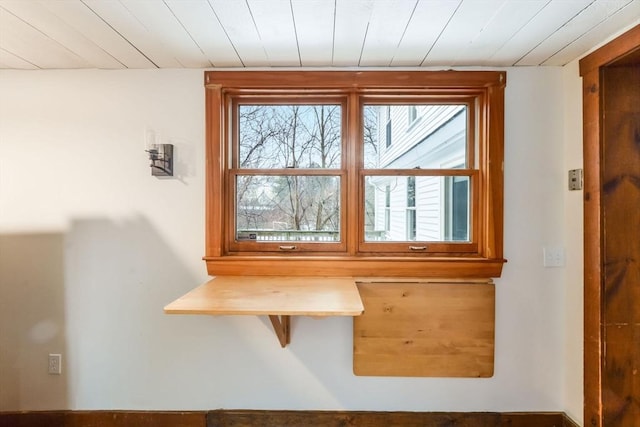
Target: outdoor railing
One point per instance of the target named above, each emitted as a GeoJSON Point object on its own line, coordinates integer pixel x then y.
{"type": "Point", "coordinates": [304, 236]}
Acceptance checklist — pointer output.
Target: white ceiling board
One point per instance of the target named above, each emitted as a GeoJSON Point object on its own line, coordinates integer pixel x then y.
{"type": "Point", "coordinates": [427, 22]}
{"type": "Point", "coordinates": [351, 23]}
{"type": "Point", "coordinates": [587, 18]}
{"type": "Point", "coordinates": [387, 25]}
{"type": "Point", "coordinates": [57, 29]}
{"type": "Point", "coordinates": [314, 21]}
{"type": "Point", "coordinates": [305, 33]}
{"type": "Point", "coordinates": [169, 34]}
{"type": "Point", "coordinates": [509, 19]}
{"type": "Point", "coordinates": [127, 25]}
{"type": "Point", "coordinates": [274, 23]}
{"type": "Point", "coordinates": [465, 25]}
{"type": "Point", "coordinates": [238, 24]}
{"type": "Point", "coordinates": [25, 41]}
{"type": "Point", "coordinates": [86, 22]}
{"type": "Point", "coordinates": [621, 19]}
{"type": "Point", "coordinates": [9, 61]}
{"type": "Point", "coordinates": [203, 25]}
{"type": "Point", "coordinates": [549, 19]}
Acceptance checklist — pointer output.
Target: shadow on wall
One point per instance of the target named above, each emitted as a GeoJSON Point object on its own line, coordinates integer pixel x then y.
{"type": "Point", "coordinates": [95, 295]}
{"type": "Point", "coordinates": [32, 321]}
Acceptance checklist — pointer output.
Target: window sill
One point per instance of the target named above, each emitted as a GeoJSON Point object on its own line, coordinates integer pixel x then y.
{"type": "Point", "coordinates": [335, 266]}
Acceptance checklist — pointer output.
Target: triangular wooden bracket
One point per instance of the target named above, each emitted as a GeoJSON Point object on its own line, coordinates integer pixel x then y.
{"type": "Point", "coordinates": [282, 326]}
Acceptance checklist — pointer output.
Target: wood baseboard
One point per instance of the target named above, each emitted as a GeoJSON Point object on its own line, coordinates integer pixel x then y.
{"type": "Point", "coordinates": [226, 418]}
{"type": "Point", "coordinates": [103, 419]}
{"type": "Point", "coordinates": [249, 418]}
{"type": "Point", "coordinates": [568, 422]}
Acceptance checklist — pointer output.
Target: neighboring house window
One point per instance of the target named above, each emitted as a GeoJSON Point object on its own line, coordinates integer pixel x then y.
{"type": "Point", "coordinates": [298, 170]}
{"type": "Point", "coordinates": [411, 208]}
{"type": "Point", "coordinates": [412, 115]}
{"type": "Point", "coordinates": [387, 127]}
{"type": "Point", "coordinates": [387, 208]}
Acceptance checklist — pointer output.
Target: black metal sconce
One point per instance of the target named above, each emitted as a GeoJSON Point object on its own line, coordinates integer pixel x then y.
{"type": "Point", "coordinates": [161, 156]}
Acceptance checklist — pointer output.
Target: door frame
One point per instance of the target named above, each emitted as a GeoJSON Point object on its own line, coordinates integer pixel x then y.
{"type": "Point", "coordinates": [591, 70]}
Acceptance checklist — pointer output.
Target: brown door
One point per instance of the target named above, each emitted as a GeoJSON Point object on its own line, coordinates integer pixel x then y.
{"type": "Point", "coordinates": [611, 78]}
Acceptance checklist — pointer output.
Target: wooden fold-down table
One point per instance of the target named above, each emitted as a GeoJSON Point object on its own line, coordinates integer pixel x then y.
{"type": "Point", "coordinates": [273, 296]}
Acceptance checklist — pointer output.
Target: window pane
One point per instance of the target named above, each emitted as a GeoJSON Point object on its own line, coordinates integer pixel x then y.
{"type": "Point", "coordinates": [417, 208]}
{"type": "Point", "coordinates": [289, 136]}
{"type": "Point", "coordinates": [411, 136]}
{"type": "Point", "coordinates": [288, 208]}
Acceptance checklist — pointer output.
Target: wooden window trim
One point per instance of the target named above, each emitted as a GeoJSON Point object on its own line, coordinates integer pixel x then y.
{"type": "Point", "coordinates": [485, 262]}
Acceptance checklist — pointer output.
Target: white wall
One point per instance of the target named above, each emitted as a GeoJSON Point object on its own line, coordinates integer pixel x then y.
{"type": "Point", "coordinates": [92, 247]}
{"type": "Point", "coordinates": [573, 232]}
{"type": "Point", "coordinates": [530, 297]}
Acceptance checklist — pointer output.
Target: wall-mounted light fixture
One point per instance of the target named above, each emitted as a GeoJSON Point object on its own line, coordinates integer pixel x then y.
{"type": "Point", "coordinates": [161, 156]}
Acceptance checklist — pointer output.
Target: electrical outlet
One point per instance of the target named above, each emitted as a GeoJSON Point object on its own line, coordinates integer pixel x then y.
{"type": "Point", "coordinates": [55, 364]}
{"type": "Point", "coordinates": [553, 256]}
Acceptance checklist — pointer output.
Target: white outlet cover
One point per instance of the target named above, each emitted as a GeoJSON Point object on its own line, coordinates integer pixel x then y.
{"type": "Point", "coordinates": [55, 364]}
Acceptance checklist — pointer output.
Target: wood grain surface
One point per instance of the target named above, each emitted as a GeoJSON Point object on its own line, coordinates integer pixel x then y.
{"type": "Point", "coordinates": [621, 216]}
{"type": "Point", "coordinates": [272, 295]}
{"type": "Point", "coordinates": [425, 329]}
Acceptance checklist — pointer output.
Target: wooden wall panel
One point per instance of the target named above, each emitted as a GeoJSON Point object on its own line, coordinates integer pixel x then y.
{"type": "Point", "coordinates": [425, 329]}
{"type": "Point", "coordinates": [621, 222]}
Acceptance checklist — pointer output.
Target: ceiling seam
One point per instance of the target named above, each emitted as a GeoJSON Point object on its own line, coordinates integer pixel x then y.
{"type": "Point", "coordinates": [520, 29]}
{"type": "Point", "coordinates": [406, 27]}
{"type": "Point", "coordinates": [21, 58]}
{"type": "Point", "coordinates": [364, 41]}
{"type": "Point", "coordinates": [118, 33]}
{"type": "Point", "coordinates": [333, 32]}
{"type": "Point", "coordinates": [188, 33]}
{"type": "Point", "coordinates": [47, 36]}
{"type": "Point", "coordinates": [226, 33]}
{"type": "Point", "coordinates": [555, 31]}
{"type": "Point", "coordinates": [586, 32]}
{"type": "Point", "coordinates": [295, 32]}
{"type": "Point", "coordinates": [86, 38]}
{"type": "Point", "coordinates": [441, 32]}
{"type": "Point", "coordinates": [253, 19]}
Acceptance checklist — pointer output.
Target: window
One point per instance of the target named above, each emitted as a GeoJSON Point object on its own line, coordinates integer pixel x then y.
{"type": "Point", "coordinates": [387, 126]}
{"type": "Point", "coordinates": [308, 173]}
{"type": "Point", "coordinates": [411, 208]}
{"type": "Point", "coordinates": [286, 174]}
{"type": "Point", "coordinates": [412, 114]}
{"type": "Point", "coordinates": [387, 208]}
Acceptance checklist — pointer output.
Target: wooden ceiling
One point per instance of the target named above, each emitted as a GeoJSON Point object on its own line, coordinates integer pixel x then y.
{"type": "Point", "coordinates": [119, 34]}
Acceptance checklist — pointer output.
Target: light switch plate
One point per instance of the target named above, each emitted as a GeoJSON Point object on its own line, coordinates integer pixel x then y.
{"type": "Point", "coordinates": [553, 256]}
